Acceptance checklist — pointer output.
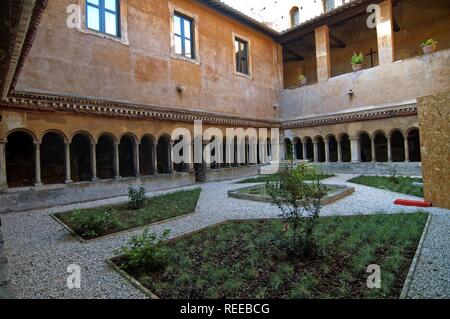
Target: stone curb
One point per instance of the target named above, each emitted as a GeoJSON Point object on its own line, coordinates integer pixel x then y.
{"type": "Point", "coordinates": [6, 290]}
{"type": "Point", "coordinates": [413, 267]}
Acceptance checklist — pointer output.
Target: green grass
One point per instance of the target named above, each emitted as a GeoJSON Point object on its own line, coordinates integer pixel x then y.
{"type": "Point", "coordinates": [276, 177]}
{"type": "Point", "coordinates": [396, 184]}
{"type": "Point", "coordinates": [244, 260]}
{"type": "Point", "coordinates": [154, 210]}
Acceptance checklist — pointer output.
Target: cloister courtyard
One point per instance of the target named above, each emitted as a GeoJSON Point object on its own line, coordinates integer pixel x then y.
{"type": "Point", "coordinates": [40, 249]}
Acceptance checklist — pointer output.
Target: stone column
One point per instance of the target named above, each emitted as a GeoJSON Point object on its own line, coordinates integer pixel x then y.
{"type": "Point", "coordinates": [339, 150]}
{"type": "Point", "coordinates": [137, 166]}
{"type": "Point", "coordinates": [116, 161]}
{"type": "Point", "coordinates": [406, 149]}
{"type": "Point", "coordinates": [374, 153]}
{"type": "Point", "coordinates": [68, 179]}
{"type": "Point", "coordinates": [169, 157]}
{"type": "Point", "coordinates": [37, 163]}
{"type": "Point", "coordinates": [354, 147]}
{"type": "Point", "coordinates": [389, 148]}
{"type": "Point", "coordinates": [327, 150]}
{"type": "Point", "coordinates": [316, 151]}
{"type": "Point", "coordinates": [322, 36]}
{"type": "Point", "coordinates": [305, 151]}
{"type": "Point", "coordinates": [154, 159]}
{"type": "Point", "coordinates": [3, 180]}
{"type": "Point", "coordinates": [385, 33]}
{"type": "Point", "coordinates": [94, 162]}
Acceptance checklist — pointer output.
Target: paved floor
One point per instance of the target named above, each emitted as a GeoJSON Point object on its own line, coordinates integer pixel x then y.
{"type": "Point", "coordinates": [40, 250]}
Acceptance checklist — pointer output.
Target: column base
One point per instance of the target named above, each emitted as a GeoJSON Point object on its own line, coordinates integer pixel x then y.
{"type": "Point", "coordinates": [94, 179]}
{"type": "Point", "coordinates": [117, 178]}
{"type": "Point", "coordinates": [68, 182]}
{"type": "Point", "coordinates": [38, 184]}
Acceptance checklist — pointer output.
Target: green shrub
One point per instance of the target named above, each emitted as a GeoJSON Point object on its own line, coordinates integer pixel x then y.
{"type": "Point", "coordinates": [358, 58]}
{"type": "Point", "coordinates": [90, 224]}
{"type": "Point", "coordinates": [428, 42]}
{"type": "Point", "coordinates": [136, 197]}
{"type": "Point", "coordinates": [146, 251]}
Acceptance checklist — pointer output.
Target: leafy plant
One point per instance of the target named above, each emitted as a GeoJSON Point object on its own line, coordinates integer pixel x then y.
{"type": "Point", "coordinates": [357, 58]}
{"type": "Point", "coordinates": [91, 224]}
{"type": "Point", "coordinates": [146, 251]}
{"type": "Point", "coordinates": [136, 197]}
{"type": "Point", "coordinates": [299, 203]}
{"type": "Point", "coordinates": [428, 42]}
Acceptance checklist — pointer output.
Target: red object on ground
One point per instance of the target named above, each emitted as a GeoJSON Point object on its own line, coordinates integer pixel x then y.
{"type": "Point", "coordinates": [418, 203]}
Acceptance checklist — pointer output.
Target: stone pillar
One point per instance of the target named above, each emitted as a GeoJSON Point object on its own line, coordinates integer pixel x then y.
{"type": "Point", "coordinates": [154, 159]}
{"type": "Point", "coordinates": [137, 166]}
{"type": "Point", "coordinates": [385, 33]}
{"type": "Point", "coordinates": [327, 150]}
{"type": "Point", "coordinates": [68, 179]}
{"type": "Point", "coordinates": [37, 163]}
{"type": "Point", "coordinates": [354, 147]}
{"type": "Point", "coordinates": [322, 35]}
{"type": "Point", "coordinates": [374, 153]}
{"type": "Point", "coordinates": [305, 151]}
{"type": "Point", "coordinates": [316, 151]}
{"type": "Point", "coordinates": [406, 149]}
{"type": "Point", "coordinates": [389, 149]}
{"type": "Point", "coordinates": [116, 161]}
{"type": "Point", "coordinates": [169, 157]}
{"type": "Point", "coordinates": [339, 150]}
{"type": "Point", "coordinates": [94, 162]}
{"type": "Point", "coordinates": [3, 180]}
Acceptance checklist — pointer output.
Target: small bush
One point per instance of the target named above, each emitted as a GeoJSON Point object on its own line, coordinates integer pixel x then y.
{"type": "Point", "coordinates": [136, 197]}
{"type": "Point", "coordinates": [146, 251]}
{"type": "Point", "coordinates": [358, 58]}
{"type": "Point", "coordinates": [91, 224]}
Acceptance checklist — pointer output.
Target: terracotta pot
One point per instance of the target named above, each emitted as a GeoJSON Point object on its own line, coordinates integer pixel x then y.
{"type": "Point", "coordinates": [357, 67]}
{"type": "Point", "coordinates": [429, 49]}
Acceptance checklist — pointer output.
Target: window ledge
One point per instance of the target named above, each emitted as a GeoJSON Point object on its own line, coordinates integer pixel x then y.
{"type": "Point", "coordinates": [121, 40]}
{"type": "Point", "coordinates": [173, 55]}
{"type": "Point", "coordinates": [247, 76]}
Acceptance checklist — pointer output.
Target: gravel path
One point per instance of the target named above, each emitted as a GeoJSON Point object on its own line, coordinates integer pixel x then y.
{"type": "Point", "coordinates": [39, 249]}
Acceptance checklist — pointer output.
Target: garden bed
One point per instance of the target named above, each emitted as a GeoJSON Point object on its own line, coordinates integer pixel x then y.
{"type": "Point", "coordinates": [98, 222]}
{"type": "Point", "coordinates": [276, 177]}
{"type": "Point", "coordinates": [397, 184]}
{"type": "Point", "coordinates": [243, 259]}
{"type": "Point", "coordinates": [259, 194]}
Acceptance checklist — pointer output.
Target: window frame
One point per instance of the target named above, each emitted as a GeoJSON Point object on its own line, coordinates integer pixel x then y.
{"type": "Point", "coordinates": [295, 15]}
{"type": "Point", "coordinates": [183, 18]}
{"type": "Point", "coordinates": [102, 10]}
{"type": "Point", "coordinates": [122, 24]}
{"type": "Point", "coordinates": [242, 39]}
{"type": "Point", "coordinates": [195, 47]}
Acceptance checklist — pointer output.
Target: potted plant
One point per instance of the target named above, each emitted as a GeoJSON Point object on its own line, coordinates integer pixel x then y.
{"type": "Point", "coordinates": [357, 61]}
{"type": "Point", "coordinates": [429, 46]}
{"type": "Point", "coordinates": [302, 80]}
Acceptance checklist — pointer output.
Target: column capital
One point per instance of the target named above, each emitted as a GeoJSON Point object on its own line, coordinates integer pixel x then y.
{"type": "Point", "coordinates": [36, 143]}
{"type": "Point", "coordinates": [3, 141]}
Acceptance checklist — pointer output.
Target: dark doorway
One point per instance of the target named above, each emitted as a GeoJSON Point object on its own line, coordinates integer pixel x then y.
{"type": "Point", "coordinates": [365, 147]}
{"type": "Point", "coordinates": [80, 158]}
{"type": "Point", "coordinates": [20, 167]}
{"type": "Point", "coordinates": [126, 156]}
{"type": "Point", "coordinates": [53, 159]}
{"type": "Point", "coordinates": [105, 157]}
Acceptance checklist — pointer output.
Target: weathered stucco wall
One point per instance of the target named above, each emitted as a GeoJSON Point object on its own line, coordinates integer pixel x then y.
{"type": "Point", "coordinates": [392, 83]}
{"type": "Point", "coordinates": [66, 61]}
{"type": "Point", "coordinates": [434, 122]}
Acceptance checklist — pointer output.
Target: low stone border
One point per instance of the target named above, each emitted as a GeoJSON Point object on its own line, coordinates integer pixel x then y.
{"type": "Point", "coordinates": [342, 192]}
{"type": "Point", "coordinates": [413, 267]}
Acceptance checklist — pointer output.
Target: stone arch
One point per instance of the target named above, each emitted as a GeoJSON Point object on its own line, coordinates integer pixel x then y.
{"type": "Point", "coordinates": [346, 153]}
{"type": "Point", "coordinates": [147, 150]}
{"type": "Point", "coordinates": [397, 141]}
{"type": "Point", "coordinates": [309, 148]}
{"type": "Point", "coordinates": [58, 132]}
{"type": "Point", "coordinates": [23, 130]}
{"type": "Point", "coordinates": [294, 15]}
{"type": "Point", "coordinates": [381, 146]}
{"type": "Point", "coordinates": [184, 167]}
{"type": "Point", "coordinates": [105, 156]}
{"type": "Point", "coordinates": [298, 148]}
{"type": "Point", "coordinates": [413, 136]}
{"type": "Point", "coordinates": [332, 147]}
{"type": "Point", "coordinates": [53, 157]}
{"type": "Point", "coordinates": [320, 148]}
{"type": "Point", "coordinates": [365, 146]}
{"type": "Point", "coordinates": [20, 158]}
{"type": "Point", "coordinates": [127, 145]}
{"type": "Point", "coordinates": [80, 157]}
{"type": "Point", "coordinates": [288, 152]}
{"type": "Point", "coordinates": [85, 133]}
{"type": "Point", "coordinates": [164, 156]}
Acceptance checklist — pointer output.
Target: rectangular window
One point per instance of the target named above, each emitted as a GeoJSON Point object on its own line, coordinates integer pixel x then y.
{"type": "Point", "coordinates": [103, 16]}
{"type": "Point", "coordinates": [241, 51]}
{"type": "Point", "coordinates": [184, 36]}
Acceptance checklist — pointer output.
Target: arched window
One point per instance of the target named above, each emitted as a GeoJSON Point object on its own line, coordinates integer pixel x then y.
{"type": "Point", "coordinates": [329, 5]}
{"type": "Point", "coordinates": [295, 16]}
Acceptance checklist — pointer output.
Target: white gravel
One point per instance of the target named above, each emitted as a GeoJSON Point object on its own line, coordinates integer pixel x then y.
{"type": "Point", "coordinates": [39, 249]}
